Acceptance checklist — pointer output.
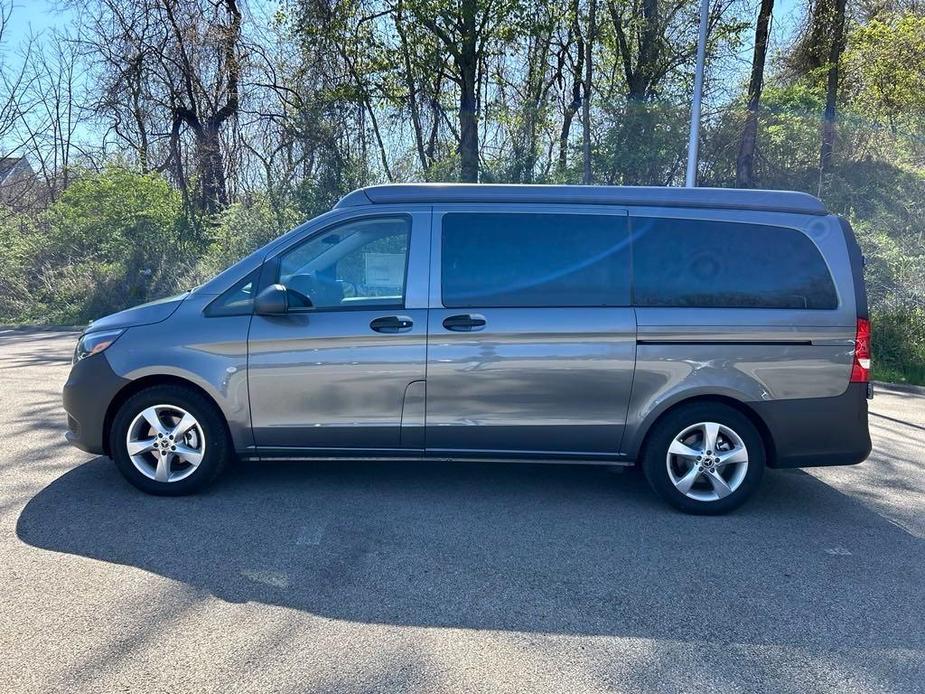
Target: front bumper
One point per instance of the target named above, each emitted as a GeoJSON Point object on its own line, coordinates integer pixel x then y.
{"type": "Point", "coordinates": [90, 389]}
{"type": "Point", "coordinates": [819, 431]}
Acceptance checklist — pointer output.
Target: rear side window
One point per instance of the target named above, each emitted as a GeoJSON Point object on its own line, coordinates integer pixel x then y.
{"type": "Point", "coordinates": [530, 260]}
{"type": "Point", "coordinates": [697, 263]}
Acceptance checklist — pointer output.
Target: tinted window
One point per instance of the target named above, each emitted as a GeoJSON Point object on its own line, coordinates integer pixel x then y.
{"type": "Point", "coordinates": [506, 259]}
{"type": "Point", "coordinates": [683, 262]}
{"type": "Point", "coordinates": [357, 264]}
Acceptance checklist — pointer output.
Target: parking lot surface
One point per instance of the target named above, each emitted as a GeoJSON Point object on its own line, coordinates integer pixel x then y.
{"type": "Point", "coordinates": [357, 577]}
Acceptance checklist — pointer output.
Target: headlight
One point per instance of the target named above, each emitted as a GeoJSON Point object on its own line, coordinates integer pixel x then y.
{"type": "Point", "coordinates": [94, 343]}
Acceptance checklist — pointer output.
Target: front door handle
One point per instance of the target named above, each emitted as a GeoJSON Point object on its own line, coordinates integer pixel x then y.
{"type": "Point", "coordinates": [392, 324]}
{"type": "Point", "coordinates": [466, 322]}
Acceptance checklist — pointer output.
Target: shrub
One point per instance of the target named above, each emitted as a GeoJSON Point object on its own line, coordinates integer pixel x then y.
{"type": "Point", "coordinates": [116, 239]}
{"type": "Point", "coordinates": [113, 239]}
{"type": "Point", "coordinates": [899, 346]}
{"type": "Point", "coordinates": [19, 236]}
{"type": "Point", "coordinates": [241, 229]}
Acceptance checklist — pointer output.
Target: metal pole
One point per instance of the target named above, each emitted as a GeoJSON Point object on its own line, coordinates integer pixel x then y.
{"type": "Point", "coordinates": [691, 180]}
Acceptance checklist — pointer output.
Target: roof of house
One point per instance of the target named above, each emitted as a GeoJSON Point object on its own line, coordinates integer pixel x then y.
{"type": "Point", "coordinates": [726, 198]}
{"type": "Point", "coordinates": [8, 164]}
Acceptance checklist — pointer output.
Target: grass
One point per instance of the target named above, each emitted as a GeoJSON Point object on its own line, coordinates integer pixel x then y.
{"type": "Point", "coordinates": [913, 374]}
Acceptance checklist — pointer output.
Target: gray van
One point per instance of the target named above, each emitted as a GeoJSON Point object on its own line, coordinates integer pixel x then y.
{"type": "Point", "coordinates": [703, 334]}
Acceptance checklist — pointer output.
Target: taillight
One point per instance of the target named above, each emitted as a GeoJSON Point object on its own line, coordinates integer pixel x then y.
{"type": "Point", "coordinates": [860, 371]}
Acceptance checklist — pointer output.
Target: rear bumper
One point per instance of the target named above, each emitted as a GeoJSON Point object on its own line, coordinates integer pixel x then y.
{"type": "Point", "coordinates": [818, 431]}
{"type": "Point", "coordinates": [89, 390]}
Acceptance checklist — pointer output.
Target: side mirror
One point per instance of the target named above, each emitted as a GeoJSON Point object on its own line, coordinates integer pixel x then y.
{"type": "Point", "coordinates": [272, 301]}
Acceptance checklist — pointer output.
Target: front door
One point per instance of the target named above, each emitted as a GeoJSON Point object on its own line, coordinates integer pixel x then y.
{"type": "Point", "coordinates": [532, 340]}
{"type": "Point", "coordinates": [343, 374]}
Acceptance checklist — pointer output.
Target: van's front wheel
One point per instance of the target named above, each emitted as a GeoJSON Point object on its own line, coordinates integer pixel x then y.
{"type": "Point", "coordinates": [169, 440]}
{"type": "Point", "coordinates": [704, 458]}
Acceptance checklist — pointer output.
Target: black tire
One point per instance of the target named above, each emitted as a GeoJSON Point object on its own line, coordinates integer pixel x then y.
{"type": "Point", "coordinates": [218, 449]}
{"type": "Point", "coordinates": [663, 433]}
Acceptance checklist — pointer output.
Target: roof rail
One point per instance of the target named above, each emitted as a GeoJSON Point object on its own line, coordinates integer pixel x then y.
{"type": "Point", "coordinates": [723, 198]}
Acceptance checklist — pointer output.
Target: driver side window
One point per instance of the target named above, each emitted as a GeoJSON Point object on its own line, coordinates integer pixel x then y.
{"type": "Point", "coordinates": [355, 265]}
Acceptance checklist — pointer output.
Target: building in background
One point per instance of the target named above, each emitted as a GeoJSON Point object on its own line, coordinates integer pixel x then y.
{"type": "Point", "coordinates": [17, 183]}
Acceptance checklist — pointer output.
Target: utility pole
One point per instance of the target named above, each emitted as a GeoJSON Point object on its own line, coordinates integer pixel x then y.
{"type": "Point", "coordinates": [694, 142]}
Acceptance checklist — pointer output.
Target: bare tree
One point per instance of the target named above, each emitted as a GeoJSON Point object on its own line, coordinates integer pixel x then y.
{"type": "Point", "coordinates": [56, 113]}
{"type": "Point", "coordinates": [420, 93]}
{"type": "Point", "coordinates": [9, 83]}
{"type": "Point", "coordinates": [831, 90]}
{"type": "Point", "coordinates": [575, 63]}
{"type": "Point", "coordinates": [525, 76]}
{"type": "Point", "coordinates": [586, 98]}
{"type": "Point", "coordinates": [15, 104]}
{"type": "Point", "coordinates": [15, 83]}
{"type": "Point", "coordinates": [745, 162]}
{"type": "Point", "coordinates": [646, 49]}
{"type": "Point", "coordinates": [170, 69]}
{"type": "Point", "coordinates": [467, 31]}
{"type": "Point", "coordinates": [206, 98]}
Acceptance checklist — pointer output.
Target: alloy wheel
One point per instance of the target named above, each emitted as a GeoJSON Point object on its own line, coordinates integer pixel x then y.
{"type": "Point", "coordinates": [707, 461]}
{"type": "Point", "coordinates": [165, 443]}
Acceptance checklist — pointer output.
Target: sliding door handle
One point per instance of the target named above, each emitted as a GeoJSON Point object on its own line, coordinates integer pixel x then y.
{"type": "Point", "coordinates": [465, 322]}
{"type": "Point", "coordinates": [392, 324]}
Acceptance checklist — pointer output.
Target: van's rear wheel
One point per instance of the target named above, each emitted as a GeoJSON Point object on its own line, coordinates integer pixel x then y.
{"type": "Point", "coordinates": [704, 458]}
{"type": "Point", "coordinates": [169, 440]}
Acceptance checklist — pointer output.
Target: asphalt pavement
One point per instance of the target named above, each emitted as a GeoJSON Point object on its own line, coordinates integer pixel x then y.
{"type": "Point", "coordinates": [360, 577]}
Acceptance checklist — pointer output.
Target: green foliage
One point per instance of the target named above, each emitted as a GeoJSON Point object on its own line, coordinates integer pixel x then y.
{"type": "Point", "coordinates": [112, 239]}
{"type": "Point", "coordinates": [899, 346]}
{"type": "Point", "coordinates": [885, 203]}
{"type": "Point", "coordinates": [116, 239]}
{"type": "Point", "coordinates": [356, 93]}
{"type": "Point", "coordinates": [16, 253]}
{"type": "Point", "coordinates": [621, 161]}
{"type": "Point", "coordinates": [789, 136]}
{"type": "Point", "coordinates": [100, 215]}
{"type": "Point", "coordinates": [886, 70]}
{"type": "Point", "coordinates": [243, 228]}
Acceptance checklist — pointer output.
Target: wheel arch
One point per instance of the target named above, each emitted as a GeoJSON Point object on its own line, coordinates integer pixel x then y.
{"type": "Point", "coordinates": [741, 406]}
{"type": "Point", "coordinates": [140, 384]}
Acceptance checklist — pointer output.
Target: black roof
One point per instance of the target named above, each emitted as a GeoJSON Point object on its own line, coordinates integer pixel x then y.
{"type": "Point", "coordinates": [725, 198]}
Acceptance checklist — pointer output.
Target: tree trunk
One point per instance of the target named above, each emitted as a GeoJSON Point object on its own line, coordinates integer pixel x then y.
{"type": "Point", "coordinates": [468, 127]}
{"type": "Point", "coordinates": [831, 92]}
{"type": "Point", "coordinates": [641, 52]}
{"type": "Point", "coordinates": [586, 102]}
{"type": "Point", "coordinates": [644, 74]}
{"type": "Point", "coordinates": [537, 61]}
{"type": "Point", "coordinates": [575, 104]}
{"type": "Point", "coordinates": [567, 119]}
{"type": "Point", "coordinates": [745, 162]}
{"type": "Point", "coordinates": [467, 64]}
{"type": "Point", "coordinates": [211, 164]}
{"type": "Point", "coordinates": [411, 86]}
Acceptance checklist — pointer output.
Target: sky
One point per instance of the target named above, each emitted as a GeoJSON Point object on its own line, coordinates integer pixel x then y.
{"type": "Point", "coordinates": [38, 16]}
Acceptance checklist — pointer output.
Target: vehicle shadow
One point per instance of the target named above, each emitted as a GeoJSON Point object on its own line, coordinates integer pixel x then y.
{"type": "Point", "coordinates": [573, 550]}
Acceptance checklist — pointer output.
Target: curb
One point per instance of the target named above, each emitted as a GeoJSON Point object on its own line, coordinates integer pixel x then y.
{"type": "Point", "coordinates": [900, 387]}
